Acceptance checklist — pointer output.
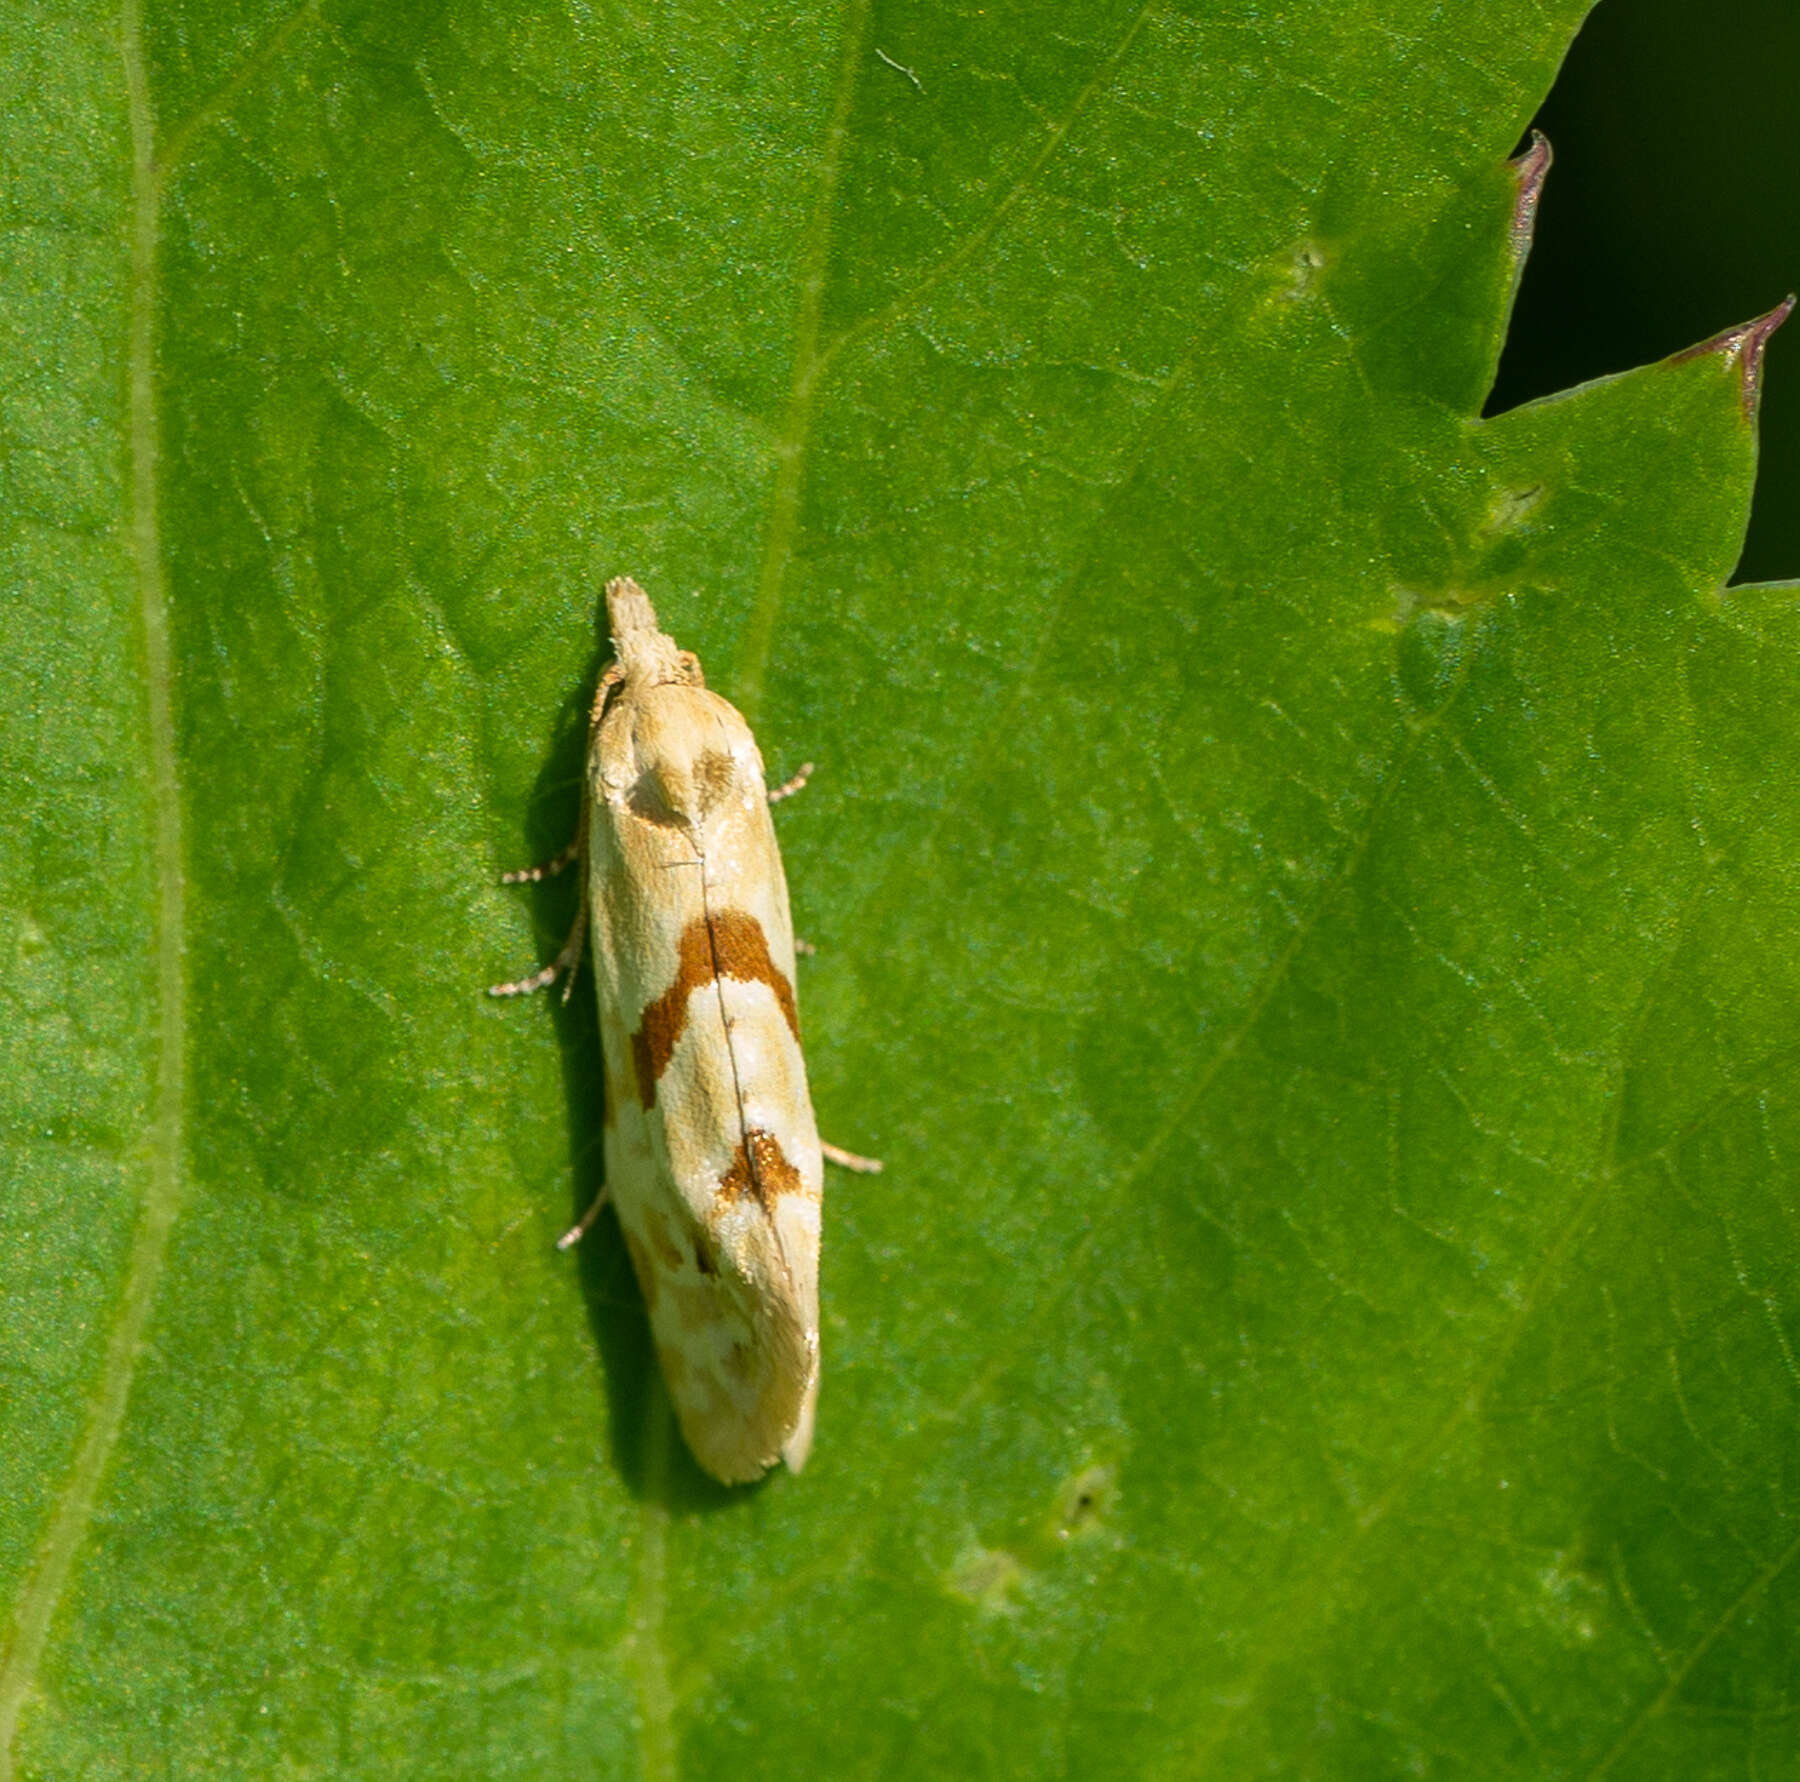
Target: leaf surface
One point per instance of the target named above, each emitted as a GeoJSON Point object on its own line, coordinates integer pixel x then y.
{"type": "Point", "coordinates": [1302, 878]}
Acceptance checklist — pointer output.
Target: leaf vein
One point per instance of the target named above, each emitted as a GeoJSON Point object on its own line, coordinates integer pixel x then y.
{"type": "Point", "coordinates": [809, 363]}
{"type": "Point", "coordinates": [1659, 1705]}
{"type": "Point", "coordinates": [261, 58]}
{"type": "Point", "coordinates": [972, 243]}
{"type": "Point", "coordinates": [54, 1560]}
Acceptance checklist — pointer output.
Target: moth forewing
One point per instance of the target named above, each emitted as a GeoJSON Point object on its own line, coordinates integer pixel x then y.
{"type": "Point", "coordinates": [712, 1153]}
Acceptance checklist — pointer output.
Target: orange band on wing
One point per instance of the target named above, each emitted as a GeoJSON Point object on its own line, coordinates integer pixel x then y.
{"type": "Point", "coordinates": [731, 944]}
{"type": "Point", "coordinates": [760, 1169]}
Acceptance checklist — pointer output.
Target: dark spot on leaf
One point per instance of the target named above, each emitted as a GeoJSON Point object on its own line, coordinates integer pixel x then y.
{"type": "Point", "coordinates": [1307, 263]}
{"type": "Point", "coordinates": [1085, 1500]}
{"type": "Point", "coordinates": [1512, 506]}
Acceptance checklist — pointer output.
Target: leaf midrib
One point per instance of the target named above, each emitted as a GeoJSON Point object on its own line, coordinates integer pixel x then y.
{"type": "Point", "coordinates": [55, 1557]}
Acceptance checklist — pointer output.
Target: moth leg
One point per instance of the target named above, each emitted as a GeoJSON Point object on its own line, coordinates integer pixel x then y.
{"type": "Point", "coordinates": [570, 956]}
{"type": "Point", "coordinates": [565, 961]}
{"type": "Point", "coordinates": [864, 1166]}
{"type": "Point", "coordinates": [788, 788]}
{"type": "Point", "coordinates": [607, 684]}
{"type": "Point", "coordinates": [547, 869]}
{"type": "Point", "coordinates": [580, 1229]}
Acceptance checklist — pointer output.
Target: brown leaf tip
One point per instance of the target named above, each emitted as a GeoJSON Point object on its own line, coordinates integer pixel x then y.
{"type": "Point", "coordinates": [1528, 172]}
{"type": "Point", "coordinates": [1744, 346]}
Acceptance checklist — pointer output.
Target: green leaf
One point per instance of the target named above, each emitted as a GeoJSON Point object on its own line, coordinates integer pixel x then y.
{"type": "Point", "coordinates": [1303, 881]}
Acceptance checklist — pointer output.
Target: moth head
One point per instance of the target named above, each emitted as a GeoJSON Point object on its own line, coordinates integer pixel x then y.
{"type": "Point", "coordinates": [647, 655]}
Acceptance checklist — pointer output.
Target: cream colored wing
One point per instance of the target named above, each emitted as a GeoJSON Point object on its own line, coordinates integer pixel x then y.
{"type": "Point", "coordinates": [712, 1152]}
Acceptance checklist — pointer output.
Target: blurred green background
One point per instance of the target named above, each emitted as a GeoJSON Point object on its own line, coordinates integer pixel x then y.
{"type": "Point", "coordinates": [1673, 212]}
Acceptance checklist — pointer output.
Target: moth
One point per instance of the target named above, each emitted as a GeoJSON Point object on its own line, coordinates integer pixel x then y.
{"type": "Point", "coordinates": [713, 1157]}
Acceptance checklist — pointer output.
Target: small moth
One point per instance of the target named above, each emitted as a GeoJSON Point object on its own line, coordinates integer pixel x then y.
{"type": "Point", "coordinates": [713, 1159]}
